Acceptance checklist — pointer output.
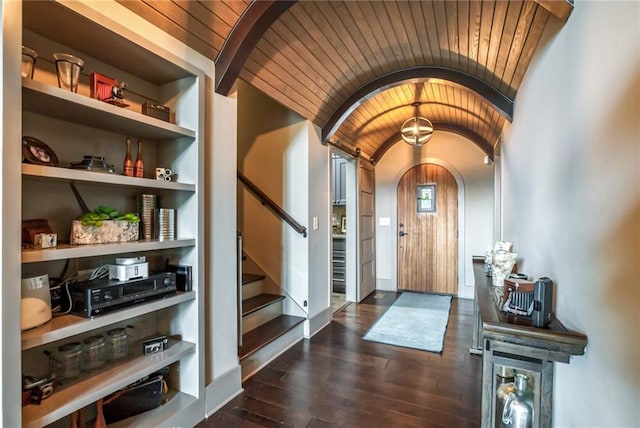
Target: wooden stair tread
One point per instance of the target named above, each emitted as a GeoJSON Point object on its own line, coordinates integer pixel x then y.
{"type": "Point", "coordinates": [258, 302]}
{"type": "Point", "coordinates": [248, 278]}
{"type": "Point", "coordinates": [267, 333]}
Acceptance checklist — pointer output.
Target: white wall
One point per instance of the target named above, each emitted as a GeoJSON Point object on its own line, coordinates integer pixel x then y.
{"type": "Point", "coordinates": [571, 165]}
{"type": "Point", "coordinates": [462, 158]}
{"type": "Point", "coordinates": [273, 152]}
{"type": "Point", "coordinates": [318, 240]}
{"type": "Point", "coordinates": [222, 365]}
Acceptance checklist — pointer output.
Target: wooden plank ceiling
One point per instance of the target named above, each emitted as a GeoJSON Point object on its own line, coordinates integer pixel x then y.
{"type": "Point", "coordinates": [318, 53]}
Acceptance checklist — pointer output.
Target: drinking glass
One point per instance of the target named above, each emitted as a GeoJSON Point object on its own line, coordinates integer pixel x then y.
{"type": "Point", "coordinates": [68, 70]}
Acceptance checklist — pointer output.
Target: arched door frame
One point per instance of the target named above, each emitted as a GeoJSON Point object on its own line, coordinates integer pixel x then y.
{"type": "Point", "coordinates": [394, 217]}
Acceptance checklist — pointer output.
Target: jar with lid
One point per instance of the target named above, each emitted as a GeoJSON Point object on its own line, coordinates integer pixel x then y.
{"type": "Point", "coordinates": [95, 351]}
{"type": "Point", "coordinates": [67, 361]}
{"type": "Point", "coordinates": [118, 344]}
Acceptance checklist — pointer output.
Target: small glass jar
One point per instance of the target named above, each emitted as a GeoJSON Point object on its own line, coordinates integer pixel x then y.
{"type": "Point", "coordinates": [95, 352]}
{"type": "Point", "coordinates": [67, 362]}
{"type": "Point", "coordinates": [29, 57]}
{"type": "Point", "coordinates": [118, 344]}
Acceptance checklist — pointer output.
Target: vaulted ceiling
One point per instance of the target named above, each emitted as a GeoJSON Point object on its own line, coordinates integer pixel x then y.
{"type": "Point", "coordinates": [354, 68]}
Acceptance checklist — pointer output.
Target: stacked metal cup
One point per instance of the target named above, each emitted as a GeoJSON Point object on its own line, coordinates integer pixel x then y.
{"type": "Point", "coordinates": [165, 224]}
{"type": "Point", "coordinates": [146, 206]}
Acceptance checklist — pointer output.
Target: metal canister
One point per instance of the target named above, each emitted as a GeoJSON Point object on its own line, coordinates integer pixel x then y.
{"type": "Point", "coordinates": [518, 409]}
{"type": "Point", "coordinates": [504, 386]}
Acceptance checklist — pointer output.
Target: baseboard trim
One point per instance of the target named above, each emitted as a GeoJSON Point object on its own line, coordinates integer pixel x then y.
{"type": "Point", "coordinates": [467, 292]}
{"type": "Point", "coordinates": [318, 322]}
{"type": "Point", "coordinates": [223, 389]}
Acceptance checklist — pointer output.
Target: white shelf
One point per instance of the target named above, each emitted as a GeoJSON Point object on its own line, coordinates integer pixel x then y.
{"type": "Point", "coordinates": [38, 97]}
{"type": "Point", "coordinates": [65, 326]}
{"type": "Point", "coordinates": [89, 390]}
{"type": "Point", "coordinates": [68, 251]}
{"type": "Point", "coordinates": [159, 416]}
{"type": "Point", "coordinates": [67, 175]}
{"type": "Point", "coordinates": [106, 44]}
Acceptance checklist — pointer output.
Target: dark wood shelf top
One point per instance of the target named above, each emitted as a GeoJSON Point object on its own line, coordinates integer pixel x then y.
{"type": "Point", "coordinates": [258, 302]}
{"type": "Point", "coordinates": [248, 278]}
{"type": "Point", "coordinates": [497, 325]}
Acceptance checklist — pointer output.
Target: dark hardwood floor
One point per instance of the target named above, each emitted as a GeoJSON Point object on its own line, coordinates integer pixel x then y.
{"type": "Point", "coordinates": [338, 379]}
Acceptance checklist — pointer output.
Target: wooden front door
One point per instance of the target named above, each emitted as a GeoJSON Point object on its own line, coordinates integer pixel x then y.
{"type": "Point", "coordinates": [428, 230]}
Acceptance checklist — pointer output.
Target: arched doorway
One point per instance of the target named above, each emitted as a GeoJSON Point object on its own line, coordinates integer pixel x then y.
{"type": "Point", "coordinates": [427, 201]}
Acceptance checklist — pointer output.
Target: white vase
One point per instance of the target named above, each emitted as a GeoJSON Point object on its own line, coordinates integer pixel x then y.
{"type": "Point", "coordinates": [502, 265]}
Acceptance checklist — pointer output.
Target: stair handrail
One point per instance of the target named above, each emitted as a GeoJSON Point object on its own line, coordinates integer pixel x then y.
{"type": "Point", "coordinates": [269, 203]}
{"type": "Point", "coordinates": [239, 286]}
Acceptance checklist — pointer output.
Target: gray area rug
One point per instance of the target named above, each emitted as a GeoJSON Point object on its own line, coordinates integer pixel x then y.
{"type": "Point", "coordinates": [415, 320]}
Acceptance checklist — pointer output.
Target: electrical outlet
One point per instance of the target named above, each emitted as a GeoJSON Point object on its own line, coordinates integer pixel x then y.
{"type": "Point", "coordinates": [316, 223]}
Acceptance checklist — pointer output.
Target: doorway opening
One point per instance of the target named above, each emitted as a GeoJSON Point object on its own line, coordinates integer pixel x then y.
{"type": "Point", "coordinates": [341, 212]}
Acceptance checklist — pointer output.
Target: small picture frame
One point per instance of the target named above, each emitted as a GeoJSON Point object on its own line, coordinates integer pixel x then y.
{"type": "Point", "coordinates": [426, 198]}
{"type": "Point", "coordinates": [343, 225]}
{"type": "Point", "coordinates": [37, 152]}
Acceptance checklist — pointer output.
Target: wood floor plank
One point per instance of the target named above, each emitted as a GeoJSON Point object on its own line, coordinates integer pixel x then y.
{"type": "Point", "coordinates": [337, 379]}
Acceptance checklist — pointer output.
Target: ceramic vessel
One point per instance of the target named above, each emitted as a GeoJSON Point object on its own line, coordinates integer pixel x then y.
{"type": "Point", "coordinates": [518, 409]}
{"type": "Point", "coordinates": [501, 266]}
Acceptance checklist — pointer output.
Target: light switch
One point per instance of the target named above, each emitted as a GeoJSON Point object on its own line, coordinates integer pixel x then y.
{"type": "Point", "coordinates": [316, 223]}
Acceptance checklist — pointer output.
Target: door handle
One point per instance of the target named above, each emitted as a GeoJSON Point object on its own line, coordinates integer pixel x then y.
{"type": "Point", "coordinates": [402, 233]}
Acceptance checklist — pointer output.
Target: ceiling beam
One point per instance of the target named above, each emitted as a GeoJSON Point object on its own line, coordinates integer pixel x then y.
{"type": "Point", "coordinates": [560, 8]}
{"type": "Point", "coordinates": [476, 139]}
{"type": "Point", "coordinates": [499, 101]}
{"type": "Point", "coordinates": [244, 36]}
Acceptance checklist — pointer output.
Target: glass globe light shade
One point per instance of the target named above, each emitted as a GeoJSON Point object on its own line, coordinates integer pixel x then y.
{"type": "Point", "coordinates": [416, 131]}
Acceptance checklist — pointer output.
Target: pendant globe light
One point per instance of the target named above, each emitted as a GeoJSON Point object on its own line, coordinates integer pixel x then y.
{"type": "Point", "coordinates": [416, 130]}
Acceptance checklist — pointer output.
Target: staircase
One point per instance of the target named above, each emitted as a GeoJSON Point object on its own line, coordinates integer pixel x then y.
{"type": "Point", "coordinates": [266, 331]}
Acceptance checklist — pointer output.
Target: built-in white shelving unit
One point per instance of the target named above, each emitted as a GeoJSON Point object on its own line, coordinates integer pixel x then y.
{"type": "Point", "coordinates": [38, 97]}
{"type": "Point", "coordinates": [67, 251]}
{"type": "Point", "coordinates": [74, 125]}
{"type": "Point", "coordinates": [87, 391]}
{"type": "Point", "coordinates": [63, 327]}
{"type": "Point", "coordinates": [68, 175]}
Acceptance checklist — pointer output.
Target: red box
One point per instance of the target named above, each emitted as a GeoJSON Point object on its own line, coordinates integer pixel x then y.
{"type": "Point", "coordinates": [514, 284]}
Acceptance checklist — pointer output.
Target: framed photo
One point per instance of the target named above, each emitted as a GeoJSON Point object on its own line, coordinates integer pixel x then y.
{"type": "Point", "coordinates": [426, 198]}
{"type": "Point", "coordinates": [37, 152]}
{"type": "Point", "coordinates": [343, 226]}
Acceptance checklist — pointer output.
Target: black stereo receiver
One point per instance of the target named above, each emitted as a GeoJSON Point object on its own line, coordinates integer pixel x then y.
{"type": "Point", "coordinates": [90, 298]}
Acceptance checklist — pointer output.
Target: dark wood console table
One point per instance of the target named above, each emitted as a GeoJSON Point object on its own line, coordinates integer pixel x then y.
{"type": "Point", "coordinates": [506, 340]}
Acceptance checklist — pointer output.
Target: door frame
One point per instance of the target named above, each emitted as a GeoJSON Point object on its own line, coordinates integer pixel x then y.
{"type": "Point", "coordinates": [351, 274]}
{"type": "Point", "coordinates": [394, 218]}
